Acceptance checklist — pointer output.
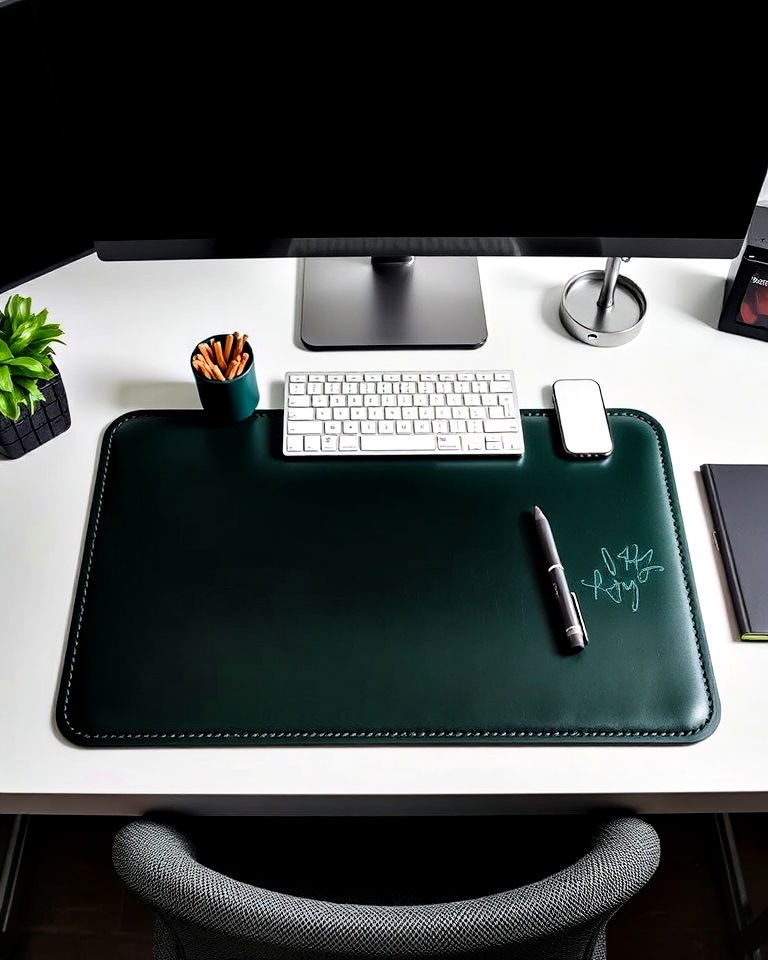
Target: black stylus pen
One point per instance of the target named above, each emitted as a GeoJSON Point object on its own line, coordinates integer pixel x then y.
{"type": "Point", "coordinates": [575, 631]}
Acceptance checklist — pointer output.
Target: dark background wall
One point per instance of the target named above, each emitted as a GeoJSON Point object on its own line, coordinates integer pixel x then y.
{"type": "Point", "coordinates": [39, 221]}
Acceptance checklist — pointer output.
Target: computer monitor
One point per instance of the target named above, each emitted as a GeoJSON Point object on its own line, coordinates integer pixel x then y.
{"type": "Point", "coordinates": [359, 145]}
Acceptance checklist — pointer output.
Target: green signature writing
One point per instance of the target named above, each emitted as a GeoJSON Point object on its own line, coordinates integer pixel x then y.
{"type": "Point", "coordinates": [624, 574]}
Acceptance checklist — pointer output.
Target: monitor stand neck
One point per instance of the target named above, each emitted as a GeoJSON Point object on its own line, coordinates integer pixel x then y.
{"type": "Point", "coordinates": [391, 303]}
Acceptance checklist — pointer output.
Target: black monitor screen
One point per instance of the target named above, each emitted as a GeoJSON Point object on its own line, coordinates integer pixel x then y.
{"type": "Point", "coordinates": [320, 125]}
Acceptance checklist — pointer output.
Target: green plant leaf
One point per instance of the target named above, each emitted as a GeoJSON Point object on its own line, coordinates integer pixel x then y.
{"type": "Point", "coordinates": [47, 373]}
{"type": "Point", "coordinates": [31, 387]}
{"type": "Point", "coordinates": [8, 406]}
{"type": "Point", "coordinates": [42, 316]}
{"type": "Point", "coordinates": [28, 365]}
{"type": "Point", "coordinates": [5, 351]}
{"type": "Point", "coordinates": [6, 384]}
{"type": "Point", "coordinates": [47, 331]}
{"type": "Point", "coordinates": [22, 336]}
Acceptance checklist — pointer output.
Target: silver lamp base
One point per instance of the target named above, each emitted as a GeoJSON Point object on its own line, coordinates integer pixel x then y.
{"type": "Point", "coordinates": [602, 308]}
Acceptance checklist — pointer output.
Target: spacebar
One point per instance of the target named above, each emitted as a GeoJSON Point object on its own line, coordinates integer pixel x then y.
{"type": "Point", "coordinates": [407, 443]}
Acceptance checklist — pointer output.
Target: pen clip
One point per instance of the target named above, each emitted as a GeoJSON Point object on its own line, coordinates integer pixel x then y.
{"type": "Point", "coordinates": [580, 615]}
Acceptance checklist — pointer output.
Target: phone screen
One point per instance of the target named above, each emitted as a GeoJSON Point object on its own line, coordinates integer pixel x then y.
{"type": "Point", "coordinates": [583, 423]}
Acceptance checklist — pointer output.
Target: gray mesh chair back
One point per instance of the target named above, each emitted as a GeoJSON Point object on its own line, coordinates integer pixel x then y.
{"type": "Point", "coordinates": [202, 915]}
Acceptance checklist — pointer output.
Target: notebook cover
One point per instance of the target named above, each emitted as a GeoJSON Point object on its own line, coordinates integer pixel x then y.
{"type": "Point", "coordinates": [737, 497]}
{"type": "Point", "coordinates": [230, 595]}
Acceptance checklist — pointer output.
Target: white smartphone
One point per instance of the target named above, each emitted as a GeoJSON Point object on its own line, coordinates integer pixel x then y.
{"type": "Point", "coordinates": [581, 415]}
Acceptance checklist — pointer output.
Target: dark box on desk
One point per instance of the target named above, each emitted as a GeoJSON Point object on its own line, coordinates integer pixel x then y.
{"type": "Point", "coordinates": [745, 305]}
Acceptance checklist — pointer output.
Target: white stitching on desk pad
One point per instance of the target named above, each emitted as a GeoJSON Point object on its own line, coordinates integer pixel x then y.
{"type": "Point", "coordinates": [389, 734]}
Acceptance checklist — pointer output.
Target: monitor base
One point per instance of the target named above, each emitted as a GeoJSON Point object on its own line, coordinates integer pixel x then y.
{"type": "Point", "coordinates": [355, 303]}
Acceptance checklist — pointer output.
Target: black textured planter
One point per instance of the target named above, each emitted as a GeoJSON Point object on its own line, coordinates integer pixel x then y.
{"type": "Point", "coordinates": [51, 417]}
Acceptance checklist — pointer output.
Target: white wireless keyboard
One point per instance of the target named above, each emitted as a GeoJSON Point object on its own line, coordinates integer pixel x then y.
{"type": "Point", "coordinates": [469, 412]}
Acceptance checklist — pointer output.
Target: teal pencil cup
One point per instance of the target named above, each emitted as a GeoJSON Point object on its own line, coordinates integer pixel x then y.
{"type": "Point", "coordinates": [228, 401]}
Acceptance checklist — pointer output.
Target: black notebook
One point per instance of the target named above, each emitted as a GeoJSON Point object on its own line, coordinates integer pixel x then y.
{"type": "Point", "coordinates": [738, 496]}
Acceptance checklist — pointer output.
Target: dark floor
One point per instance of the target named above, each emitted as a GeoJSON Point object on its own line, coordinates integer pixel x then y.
{"type": "Point", "coordinates": [72, 907]}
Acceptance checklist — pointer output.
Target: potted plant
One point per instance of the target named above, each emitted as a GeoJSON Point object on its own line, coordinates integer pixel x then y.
{"type": "Point", "coordinates": [33, 404]}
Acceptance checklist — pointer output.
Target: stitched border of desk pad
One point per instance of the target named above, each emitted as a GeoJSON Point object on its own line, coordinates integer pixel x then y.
{"type": "Point", "coordinates": [522, 736]}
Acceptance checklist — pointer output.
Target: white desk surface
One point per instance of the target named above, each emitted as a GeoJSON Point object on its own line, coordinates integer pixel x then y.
{"type": "Point", "coordinates": [129, 329]}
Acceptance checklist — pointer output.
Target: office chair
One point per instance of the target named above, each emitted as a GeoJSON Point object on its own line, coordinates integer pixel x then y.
{"type": "Point", "coordinates": [201, 914]}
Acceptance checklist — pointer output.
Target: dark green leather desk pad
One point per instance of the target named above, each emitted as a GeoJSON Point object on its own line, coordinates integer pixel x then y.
{"type": "Point", "coordinates": [228, 595]}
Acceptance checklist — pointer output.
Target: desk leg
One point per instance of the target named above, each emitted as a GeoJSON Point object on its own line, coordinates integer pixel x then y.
{"type": "Point", "coordinates": [13, 833]}
{"type": "Point", "coordinates": [750, 933]}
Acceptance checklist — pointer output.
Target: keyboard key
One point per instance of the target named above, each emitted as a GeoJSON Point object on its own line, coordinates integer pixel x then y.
{"type": "Point", "coordinates": [474, 426]}
{"type": "Point", "coordinates": [489, 399]}
{"type": "Point", "coordinates": [426, 413]}
{"type": "Point", "coordinates": [495, 413]}
{"type": "Point", "coordinates": [347, 388]}
{"type": "Point", "coordinates": [458, 426]}
{"type": "Point", "coordinates": [321, 401]}
{"type": "Point", "coordinates": [301, 414]}
{"type": "Point", "coordinates": [471, 400]}
{"type": "Point", "coordinates": [386, 426]}
{"type": "Point", "coordinates": [329, 444]}
{"type": "Point", "coordinates": [454, 400]}
{"type": "Point", "coordinates": [392, 413]}
{"type": "Point", "coordinates": [314, 388]}
{"type": "Point", "coordinates": [410, 413]}
{"type": "Point", "coordinates": [308, 428]}
{"type": "Point", "coordinates": [367, 388]}
{"type": "Point", "coordinates": [350, 427]}
{"type": "Point", "coordinates": [439, 426]}
{"type": "Point", "coordinates": [477, 413]}
{"type": "Point", "coordinates": [448, 443]}
{"type": "Point", "coordinates": [483, 376]}
{"type": "Point", "coordinates": [332, 428]}
{"type": "Point", "coordinates": [311, 444]}
{"type": "Point", "coordinates": [391, 378]}
{"type": "Point", "coordinates": [465, 377]}
{"type": "Point", "coordinates": [443, 413]}
{"type": "Point", "coordinates": [297, 389]}
{"type": "Point", "coordinates": [323, 413]}
{"type": "Point", "coordinates": [422, 426]}
{"type": "Point", "coordinates": [383, 388]}
{"type": "Point", "coordinates": [410, 377]}
{"type": "Point", "coordinates": [354, 402]}
{"type": "Point", "coordinates": [338, 401]}
{"type": "Point", "coordinates": [410, 444]}
{"type": "Point", "coordinates": [471, 443]}
{"type": "Point", "coordinates": [480, 387]}
{"type": "Point", "coordinates": [404, 401]}
{"type": "Point", "coordinates": [367, 426]}
{"type": "Point", "coordinates": [448, 377]}
{"type": "Point", "coordinates": [403, 427]}
{"type": "Point", "coordinates": [421, 400]}
{"type": "Point", "coordinates": [428, 377]}
{"type": "Point", "coordinates": [332, 388]}
{"type": "Point", "coordinates": [316, 378]}
{"type": "Point", "coordinates": [497, 387]}
{"type": "Point", "coordinates": [426, 388]}
{"type": "Point", "coordinates": [298, 402]}
{"type": "Point", "coordinates": [389, 400]}
{"type": "Point", "coordinates": [341, 413]}
{"type": "Point", "coordinates": [502, 376]}
{"type": "Point", "coordinates": [502, 426]}
{"type": "Point", "coordinates": [372, 377]}
{"type": "Point", "coordinates": [376, 413]}
{"type": "Point", "coordinates": [493, 446]}
{"type": "Point", "coordinates": [358, 413]}
{"type": "Point", "coordinates": [353, 378]}
{"type": "Point", "coordinates": [349, 444]}
{"type": "Point", "coordinates": [460, 413]}
{"type": "Point", "coordinates": [294, 444]}
{"type": "Point", "coordinates": [373, 401]}
{"type": "Point", "coordinates": [298, 378]}
{"type": "Point", "coordinates": [335, 377]}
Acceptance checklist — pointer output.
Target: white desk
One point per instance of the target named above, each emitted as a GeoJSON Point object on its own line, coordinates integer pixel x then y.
{"type": "Point", "coordinates": [129, 328]}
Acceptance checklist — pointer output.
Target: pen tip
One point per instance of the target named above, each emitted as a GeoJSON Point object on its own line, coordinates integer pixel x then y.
{"type": "Point", "coordinates": [537, 512]}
